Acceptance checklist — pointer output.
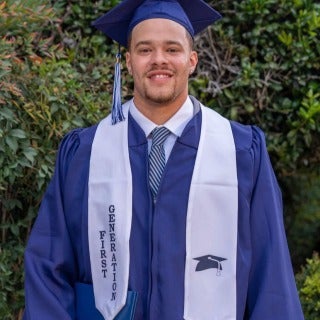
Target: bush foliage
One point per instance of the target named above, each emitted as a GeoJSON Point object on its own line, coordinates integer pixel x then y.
{"type": "Point", "coordinates": [308, 281]}
{"type": "Point", "coordinates": [260, 65]}
{"type": "Point", "coordinates": [51, 80]}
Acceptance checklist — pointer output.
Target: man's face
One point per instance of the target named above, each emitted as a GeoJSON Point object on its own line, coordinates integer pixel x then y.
{"type": "Point", "coordinates": [160, 60]}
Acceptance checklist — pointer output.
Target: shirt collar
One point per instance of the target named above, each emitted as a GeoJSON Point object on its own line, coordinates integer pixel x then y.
{"type": "Point", "coordinates": [175, 124]}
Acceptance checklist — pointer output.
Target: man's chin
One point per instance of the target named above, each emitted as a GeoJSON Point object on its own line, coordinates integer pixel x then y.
{"type": "Point", "coordinates": [160, 98]}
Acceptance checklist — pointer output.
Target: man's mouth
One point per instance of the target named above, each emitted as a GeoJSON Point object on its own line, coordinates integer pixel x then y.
{"type": "Point", "coordinates": [159, 75]}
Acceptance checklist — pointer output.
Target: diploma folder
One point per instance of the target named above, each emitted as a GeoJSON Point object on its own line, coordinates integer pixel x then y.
{"type": "Point", "coordinates": [86, 309]}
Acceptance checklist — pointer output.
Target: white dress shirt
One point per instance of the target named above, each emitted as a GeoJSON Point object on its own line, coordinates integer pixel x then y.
{"type": "Point", "coordinates": [175, 124]}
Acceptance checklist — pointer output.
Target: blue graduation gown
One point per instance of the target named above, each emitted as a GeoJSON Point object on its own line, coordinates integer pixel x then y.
{"type": "Point", "coordinates": [57, 254]}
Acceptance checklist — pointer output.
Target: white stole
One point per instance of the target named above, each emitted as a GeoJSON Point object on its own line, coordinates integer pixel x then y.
{"type": "Point", "coordinates": [212, 220]}
{"type": "Point", "coordinates": [212, 223]}
{"type": "Point", "coordinates": [109, 215]}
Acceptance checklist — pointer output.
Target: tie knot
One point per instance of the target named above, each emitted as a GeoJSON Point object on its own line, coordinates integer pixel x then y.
{"type": "Point", "coordinates": [159, 135]}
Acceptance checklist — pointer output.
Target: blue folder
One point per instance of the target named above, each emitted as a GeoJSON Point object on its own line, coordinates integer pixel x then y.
{"type": "Point", "coordinates": [86, 309]}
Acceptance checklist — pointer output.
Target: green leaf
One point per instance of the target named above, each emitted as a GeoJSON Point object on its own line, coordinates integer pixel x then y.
{"type": "Point", "coordinates": [12, 143]}
{"type": "Point", "coordinates": [30, 153]}
{"type": "Point", "coordinates": [14, 229]}
{"type": "Point", "coordinates": [7, 113]}
{"type": "Point", "coordinates": [18, 133]}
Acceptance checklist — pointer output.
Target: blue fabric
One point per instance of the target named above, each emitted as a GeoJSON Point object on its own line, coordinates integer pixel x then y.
{"type": "Point", "coordinates": [171, 10]}
{"type": "Point", "coordinates": [118, 23]}
{"type": "Point", "coordinates": [57, 255]}
{"type": "Point", "coordinates": [85, 304]}
{"type": "Point", "coordinates": [262, 245]}
{"type": "Point", "coordinates": [158, 244]}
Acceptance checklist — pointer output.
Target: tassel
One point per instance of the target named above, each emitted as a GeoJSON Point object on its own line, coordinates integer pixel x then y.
{"type": "Point", "coordinates": [116, 113]}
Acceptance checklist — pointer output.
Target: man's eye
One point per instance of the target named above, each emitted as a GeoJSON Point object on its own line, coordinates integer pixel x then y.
{"type": "Point", "coordinates": [172, 50]}
{"type": "Point", "coordinates": [144, 50]}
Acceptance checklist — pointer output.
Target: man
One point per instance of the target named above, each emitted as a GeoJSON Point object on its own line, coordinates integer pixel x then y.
{"type": "Point", "coordinates": [165, 210]}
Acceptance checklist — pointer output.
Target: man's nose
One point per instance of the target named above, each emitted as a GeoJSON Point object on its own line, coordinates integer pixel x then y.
{"type": "Point", "coordinates": [159, 57]}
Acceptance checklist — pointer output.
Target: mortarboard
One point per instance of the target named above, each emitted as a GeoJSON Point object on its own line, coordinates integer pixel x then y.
{"type": "Point", "coordinates": [194, 15]}
{"type": "Point", "coordinates": [209, 261]}
{"type": "Point", "coordinates": [117, 24]}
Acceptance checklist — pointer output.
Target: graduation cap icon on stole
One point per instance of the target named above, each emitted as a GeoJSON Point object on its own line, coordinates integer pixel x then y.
{"type": "Point", "coordinates": [118, 23]}
{"type": "Point", "coordinates": [209, 261]}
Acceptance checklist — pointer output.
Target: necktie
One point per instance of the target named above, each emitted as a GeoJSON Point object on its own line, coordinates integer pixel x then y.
{"type": "Point", "coordinates": [157, 158]}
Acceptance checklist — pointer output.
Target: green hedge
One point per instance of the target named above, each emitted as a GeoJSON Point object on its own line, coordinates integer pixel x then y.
{"type": "Point", "coordinates": [56, 73]}
{"type": "Point", "coordinates": [51, 80]}
{"type": "Point", "coordinates": [261, 64]}
{"type": "Point", "coordinates": [308, 281]}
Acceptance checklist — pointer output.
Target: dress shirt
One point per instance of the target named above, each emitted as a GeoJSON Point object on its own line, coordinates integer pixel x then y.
{"type": "Point", "coordinates": [175, 124]}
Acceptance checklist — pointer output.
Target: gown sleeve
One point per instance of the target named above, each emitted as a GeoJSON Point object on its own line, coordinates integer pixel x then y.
{"type": "Point", "coordinates": [272, 292]}
{"type": "Point", "coordinates": [50, 269]}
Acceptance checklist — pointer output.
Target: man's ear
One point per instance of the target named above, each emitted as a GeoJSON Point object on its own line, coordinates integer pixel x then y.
{"type": "Point", "coordinates": [128, 62]}
{"type": "Point", "coordinates": [193, 61]}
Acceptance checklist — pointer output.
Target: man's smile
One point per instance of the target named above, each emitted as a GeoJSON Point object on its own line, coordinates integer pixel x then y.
{"type": "Point", "coordinates": [159, 74]}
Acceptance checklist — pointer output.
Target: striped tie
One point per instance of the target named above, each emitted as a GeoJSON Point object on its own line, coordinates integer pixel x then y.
{"type": "Point", "coordinates": [157, 159]}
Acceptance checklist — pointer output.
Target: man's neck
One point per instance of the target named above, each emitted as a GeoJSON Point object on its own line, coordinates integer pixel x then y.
{"type": "Point", "coordinates": [159, 113]}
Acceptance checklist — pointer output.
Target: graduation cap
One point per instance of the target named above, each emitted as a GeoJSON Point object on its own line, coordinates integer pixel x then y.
{"type": "Point", "coordinates": [209, 261]}
{"type": "Point", "coordinates": [118, 23]}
